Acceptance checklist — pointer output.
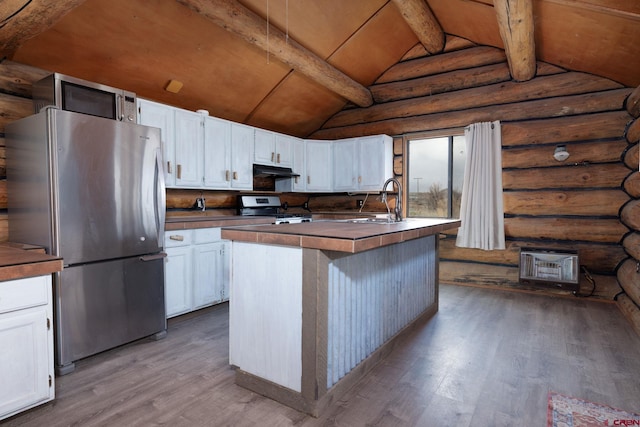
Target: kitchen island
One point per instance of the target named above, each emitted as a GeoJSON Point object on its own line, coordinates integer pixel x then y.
{"type": "Point", "coordinates": [314, 306]}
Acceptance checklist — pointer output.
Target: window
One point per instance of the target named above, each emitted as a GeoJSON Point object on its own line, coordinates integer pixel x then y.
{"type": "Point", "coordinates": [435, 172]}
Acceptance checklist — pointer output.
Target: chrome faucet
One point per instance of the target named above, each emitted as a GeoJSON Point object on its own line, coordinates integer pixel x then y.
{"type": "Point", "coordinates": [398, 209]}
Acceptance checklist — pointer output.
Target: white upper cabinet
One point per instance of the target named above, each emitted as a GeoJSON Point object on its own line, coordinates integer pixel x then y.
{"type": "Point", "coordinates": [210, 153]}
{"type": "Point", "coordinates": [242, 143]}
{"type": "Point", "coordinates": [189, 149]}
{"type": "Point", "coordinates": [298, 166]}
{"type": "Point", "coordinates": [362, 164]}
{"type": "Point", "coordinates": [273, 149]}
{"type": "Point", "coordinates": [345, 164]}
{"type": "Point", "coordinates": [217, 153]}
{"type": "Point", "coordinates": [375, 161]}
{"type": "Point", "coordinates": [265, 147]}
{"type": "Point", "coordinates": [228, 155]}
{"type": "Point", "coordinates": [299, 183]}
{"type": "Point", "coordinates": [319, 163]}
{"type": "Point", "coordinates": [161, 116]}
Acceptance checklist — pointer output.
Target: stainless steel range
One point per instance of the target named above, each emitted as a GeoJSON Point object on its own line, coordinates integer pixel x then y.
{"type": "Point", "coordinates": [269, 206]}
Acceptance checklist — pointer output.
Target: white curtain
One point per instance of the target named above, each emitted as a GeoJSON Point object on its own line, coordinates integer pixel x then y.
{"type": "Point", "coordinates": [481, 210]}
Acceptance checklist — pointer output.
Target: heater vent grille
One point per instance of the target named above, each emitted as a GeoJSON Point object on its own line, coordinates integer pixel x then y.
{"type": "Point", "coordinates": [553, 267]}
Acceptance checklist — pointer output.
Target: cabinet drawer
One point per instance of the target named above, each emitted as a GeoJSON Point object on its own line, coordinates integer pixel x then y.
{"type": "Point", "coordinates": [207, 235]}
{"type": "Point", "coordinates": [24, 293]}
{"type": "Point", "coordinates": [177, 238]}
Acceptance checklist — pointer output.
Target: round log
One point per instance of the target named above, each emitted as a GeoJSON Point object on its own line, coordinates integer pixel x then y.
{"type": "Point", "coordinates": [629, 279]}
{"type": "Point", "coordinates": [631, 244]}
{"type": "Point", "coordinates": [630, 157]}
{"type": "Point", "coordinates": [631, 184]}
{"type": "Point", "coordinates": [632, 132]}
{"type": "Point", "coordinates": [630, 214]}
{"type": "Point", "coordinates": [632, 103]}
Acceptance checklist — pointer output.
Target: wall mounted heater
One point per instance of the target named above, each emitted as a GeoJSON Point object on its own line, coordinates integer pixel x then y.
{"type": "Point", "coordinates": [547, 267]}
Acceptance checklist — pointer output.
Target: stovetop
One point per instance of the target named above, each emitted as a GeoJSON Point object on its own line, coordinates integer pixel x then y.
{"type": "Point", "coordinates": [268, 206]}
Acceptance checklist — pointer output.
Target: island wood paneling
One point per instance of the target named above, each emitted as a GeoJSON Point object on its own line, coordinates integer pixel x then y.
{"type": "Point", "coordinates": [573, 204]}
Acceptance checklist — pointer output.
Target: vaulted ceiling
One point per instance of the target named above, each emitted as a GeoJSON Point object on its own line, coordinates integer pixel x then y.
{"type": "Point", "coordinates": [289, 65]}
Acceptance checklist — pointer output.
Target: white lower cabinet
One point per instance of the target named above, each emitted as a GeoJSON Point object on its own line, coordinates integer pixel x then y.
{"type": "Point", "coordinates": [26, 340]}
{"type": "Point", "coordinates": [197, 271]}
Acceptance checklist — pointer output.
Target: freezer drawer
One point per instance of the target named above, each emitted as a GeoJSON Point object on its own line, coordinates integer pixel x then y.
{"type": "Point", "coordinates": [106, 304]}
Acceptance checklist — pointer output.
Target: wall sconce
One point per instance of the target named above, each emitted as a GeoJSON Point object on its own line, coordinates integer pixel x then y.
{"type": "Point", "coordinates": [561, 154]}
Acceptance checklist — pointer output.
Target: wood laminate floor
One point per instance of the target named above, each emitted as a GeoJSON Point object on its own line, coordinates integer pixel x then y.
{"type": "Point", "coordinates": [487, 358]}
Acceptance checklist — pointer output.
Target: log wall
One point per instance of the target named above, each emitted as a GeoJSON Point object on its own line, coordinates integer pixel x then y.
{"type": "Point", "coordinates": [573, 204]}
{"type": "Point", "coordinates": [628, 273]}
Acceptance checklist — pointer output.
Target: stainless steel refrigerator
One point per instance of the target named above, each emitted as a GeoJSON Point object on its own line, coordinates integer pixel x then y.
{"type": "Point", "coordinates": [91, 190]}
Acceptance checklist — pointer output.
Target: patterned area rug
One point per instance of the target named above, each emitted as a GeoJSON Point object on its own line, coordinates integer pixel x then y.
{"type": "Point", "coordinates": [565, 411]}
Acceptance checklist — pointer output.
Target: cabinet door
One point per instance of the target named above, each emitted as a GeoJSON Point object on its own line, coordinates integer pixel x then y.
{"type": "Point", "coordinates": [210, 283]}
{"type": "Point", "coordinates": [25, 360]}
{"type": "Point", "coordinates": [375, 161]}
{"type": "Point", "coordinates": [319, 167]}
{"type": "Point", "coordinates": [161, 116]}
{"type": "Point", "coordinates": [284, 150]}
{"type": "Point", "coordinates": [299, 165]}
{"type": "Point", "coordinates": [264, 147]}
{"type": "Point", "coordinates": [189, 149]}
{"type": "Point", "coordinates": [178, 280]}
{"type": "Point", "coordinates": [242, 141]}
{"type": "Point", "coordinates": [345, 164]}
{"type": "Point", "coordinates": [217, 153]}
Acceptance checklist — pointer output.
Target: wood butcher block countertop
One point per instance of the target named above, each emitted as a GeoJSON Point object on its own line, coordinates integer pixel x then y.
{"type": "Point", "coordinates": [202, 221]}
{"type": "Point", "coordinates": [341, 235]}
{"type": "Point", "coordinates": [18, 261]}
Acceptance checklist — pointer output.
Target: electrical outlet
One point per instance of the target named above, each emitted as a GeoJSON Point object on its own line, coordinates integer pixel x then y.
{"type": "Point", "coordinates": [305, 205]}
{"type": "Point", "coordinates": [359, 203]}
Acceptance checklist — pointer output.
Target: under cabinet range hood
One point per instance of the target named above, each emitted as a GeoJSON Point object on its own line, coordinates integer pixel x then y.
{"type": "Point", "coordinates": [275, 171]}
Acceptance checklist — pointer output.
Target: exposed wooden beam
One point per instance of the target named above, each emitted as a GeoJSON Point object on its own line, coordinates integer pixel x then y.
{"type": "Point", "coordinates": [22, 20]}
{"type": "Point", "coordinates": [234, 17]}
{"type": "Point", "coordinates": [423, 23]}
{"type": "Point", "coordinates": [515, 20]}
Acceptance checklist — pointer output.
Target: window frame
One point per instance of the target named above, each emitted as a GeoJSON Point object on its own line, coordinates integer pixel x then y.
{"type": "Point", "coordinates": [441, 133]}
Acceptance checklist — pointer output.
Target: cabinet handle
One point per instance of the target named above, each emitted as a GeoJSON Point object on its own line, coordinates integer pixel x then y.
{"type": "Point", "coordinates": [273, 155]}
{"type": "Point", "coordinates": [278, 158]}
{"type": "Point", "coordinates": [295, 179]}
{"type": "Point", "coordinates": [359, 179]}
{"type": "Point", "coordinates": [226, 175]}
{"type": "Point", "coordinates": [179, 172]}
{"type": "Point", "coordinates": [177, 237]}
{"type": "Point", "coordinates": [308, 179]}
{"type": "Point", "coordinates": [147, 258]}
{"type": "Point", "coordinates": [235, 175]}
{"type": "Point", "coordinates": [168, 167]}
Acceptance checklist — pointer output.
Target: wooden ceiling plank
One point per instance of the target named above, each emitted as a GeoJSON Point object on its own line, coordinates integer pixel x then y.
{"type": "Point", "coordinates": [30, 20]}
{"type": "Point", "coordinates": [423, 23]}
{"type": "Point", "coordinates": [515, 21]}
{"type": "Point", "coordinates": [234, 17]}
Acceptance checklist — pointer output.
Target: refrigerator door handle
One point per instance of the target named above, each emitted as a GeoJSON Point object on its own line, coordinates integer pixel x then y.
{"type": "Point", "coordinates": [160, 197]}
{"type": "Point", "coordinates": [153, 257]}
